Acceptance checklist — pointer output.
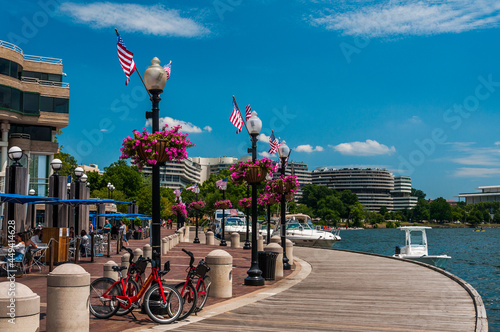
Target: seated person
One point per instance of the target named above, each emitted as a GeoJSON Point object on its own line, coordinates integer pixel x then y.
{"type": "Point", "coordinates": [37, 237]}
{"type": "Point", "coordinates": [84, 242]}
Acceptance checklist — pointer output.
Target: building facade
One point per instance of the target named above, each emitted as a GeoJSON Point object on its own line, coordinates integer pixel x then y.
{"type": "Point", "coordinates": [487, 194]}
{"type": "Point", "coordinates": [374, 187]}
{"type": "Point", "coordinates": [34, 106]}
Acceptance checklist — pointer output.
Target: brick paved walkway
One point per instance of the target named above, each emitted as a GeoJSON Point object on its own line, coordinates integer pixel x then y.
{"type": "Point", "coordinates": [179, 261]}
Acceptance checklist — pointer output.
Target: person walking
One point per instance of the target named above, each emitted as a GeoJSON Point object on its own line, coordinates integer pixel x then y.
{"type": "Point", "coordinates": [123, 229]}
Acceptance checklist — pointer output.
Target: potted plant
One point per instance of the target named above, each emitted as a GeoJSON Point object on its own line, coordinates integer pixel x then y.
{"type": "Point", "coordinates": [198, 205]}
{"type": "Point", "coordinates": [158, 147]}
{"type": "Point", "coordinates": [252, 172]}
{"type": "Point", "coordinates": [179, 209]}
{"type": "Point", "coordinates": [223, 204]}
{"type": "Point", "coordinates": [283, 185]}
{"type": "Point", "coordinates": [245, 202]}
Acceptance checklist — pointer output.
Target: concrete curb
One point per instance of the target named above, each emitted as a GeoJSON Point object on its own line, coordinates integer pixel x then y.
{"type": "Point", "coordinates": [303, 269]}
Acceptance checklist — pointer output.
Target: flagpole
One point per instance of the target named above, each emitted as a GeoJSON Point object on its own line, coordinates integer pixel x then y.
{"type": "Point", "coordinates": [150, 98]}
{"type": "Point", "coordinates": [243, 119]}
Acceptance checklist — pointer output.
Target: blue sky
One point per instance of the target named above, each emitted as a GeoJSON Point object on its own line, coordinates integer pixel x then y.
{"type": "Point", "coordinates": [410, 86]}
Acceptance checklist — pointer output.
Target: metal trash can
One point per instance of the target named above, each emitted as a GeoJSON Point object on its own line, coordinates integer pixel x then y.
{"type": "Point", "coordinates": [267, 264]}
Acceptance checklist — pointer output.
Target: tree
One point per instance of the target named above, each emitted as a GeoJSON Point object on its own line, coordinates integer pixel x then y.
{"type": "Point", "coordinates": [440, 209]}
{"type": "Point", "coordinates": [421, 210]}
{"type": "Point", "coordinates": [124, 177]}
{"type": "Point", "coordinates": [418, 193]}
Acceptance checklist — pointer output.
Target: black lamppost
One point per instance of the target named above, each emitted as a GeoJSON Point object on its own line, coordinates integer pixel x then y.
{"type": "Point", "coordinates": [110, 190]}
{"type": "Point", "coordinates": [196, 239]}
{"type": "Point", "coordinates": [33, 218]}
{"type": "Point", "coordinates": [56, 165]}
{"type": "Point", "coordinates": [15, 154]}
{"type": "Point", "coordinates": [155, 79]}
{"type": "Point", "coordinates": [247, 245]}
{"type": "Point", "coordinates": [223, 225]}
{"type": "Point", "coordinates": [78, 174]}
{"type": "Point", "coordinates": [254, 278]}
{"type": "Point", "coordinates": [284, 151]}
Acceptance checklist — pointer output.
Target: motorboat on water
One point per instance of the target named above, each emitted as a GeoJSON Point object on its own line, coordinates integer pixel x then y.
{"type": "Point", "coordinates": [303, 233]}
{"type": "Point", "coordinates": [415, 247]}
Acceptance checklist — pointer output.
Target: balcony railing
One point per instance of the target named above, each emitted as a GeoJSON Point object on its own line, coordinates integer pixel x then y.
{"type": "Point", "coordinates": [36, 58]}
{"type": "Point", "coordinates": [19, 135]}
{"type": "Point", "coordinates": [42, 82]}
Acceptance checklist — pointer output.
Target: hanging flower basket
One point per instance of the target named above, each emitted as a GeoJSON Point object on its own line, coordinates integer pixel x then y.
{"type": "Point", "coordinates": [252, 172]}
{"type": "Point", "coordinates": [223, 204]}
{"type": "Point", "coordinates": [245, 202]}
{"type": "Point", "coordinates": [158, 147]}
{"type": "Point", "coordinates": [196, 205]}
{"type": "Point", "coordinates": [179, 209]}
{"type": "Point", "coordinates": [267, 199]}
{"type": "Point", "coordinates": [283, 185]}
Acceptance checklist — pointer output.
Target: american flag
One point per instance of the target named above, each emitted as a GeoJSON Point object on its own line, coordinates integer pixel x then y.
{"type": "Point", "coordinates": [248, 112]}
{"type": "Point", "coordinates": [274, 142]}
{"type": "Point", "coordinates": [168, 69]}
{"type": "Point", "coordinates": [178, 192]}
{"type": "Point", "coordinates": [126, 59]}
{"type": "Point", "coordinates": [222, 184]}
{"type": "Point", "coordinates": [236, 118]}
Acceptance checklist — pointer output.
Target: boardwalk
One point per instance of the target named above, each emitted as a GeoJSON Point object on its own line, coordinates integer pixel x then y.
{"type": "Point", "coordinates": [348, 291]}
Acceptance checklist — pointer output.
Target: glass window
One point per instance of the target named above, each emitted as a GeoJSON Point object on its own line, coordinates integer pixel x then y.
{"type": "Point", "coordinates": [38, 133]}
{"type": "Point", "coordinates": [55, 78]}
{"type": "Point", "coordinates": [5, 96]}
{"type": "Point", "coordinates": [4, 66]}
{"type": "Point", "coordinates": [14, 68]}
{"type": "Point", "coordinates": [46, 104]}
{"type": "Point", "coordinates": [44, 76]}
{"type": "Point", "coordinates": [31, 74]}
{"type": "Point", "coordinates": [16, 100]}
{"type": "Point", "coordinates": [31, 103]}
{"type": "Point", "coordinates": [61, 105]}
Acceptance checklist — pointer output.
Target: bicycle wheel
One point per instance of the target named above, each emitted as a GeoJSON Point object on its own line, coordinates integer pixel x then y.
{"type": "Point", "coordinates": [188, 299]}
{"type": "Point", "coordinates": [202, 292]}
{"type": "Point", "coordinates": [159, 312]}
{"type": "Point", "coordinates": [131, 290]}
{"type": "Point", "coordinates": [100, 307]}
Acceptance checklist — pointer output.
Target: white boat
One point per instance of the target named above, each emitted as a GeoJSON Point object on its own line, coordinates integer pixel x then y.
{"type": "Point", "coordinates": [236, 225]}
{"type": "Point", "coordinates": [416, 247]}
{"type": "Point", "coordinates": [303, 233]}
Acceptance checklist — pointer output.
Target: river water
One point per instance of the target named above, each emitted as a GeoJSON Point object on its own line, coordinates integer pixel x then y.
{"type": "Point", "coordinates": [475, 257]}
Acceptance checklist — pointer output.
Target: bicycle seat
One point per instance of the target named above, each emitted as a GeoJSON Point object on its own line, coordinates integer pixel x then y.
{"type": "Point", "coordinates": [119, 268]}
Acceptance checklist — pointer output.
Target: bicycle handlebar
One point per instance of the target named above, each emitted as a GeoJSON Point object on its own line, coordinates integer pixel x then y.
{"type": "Point", "coordinates": [190, 254]}
{"type": "Point", "coordinates": [131, 258]}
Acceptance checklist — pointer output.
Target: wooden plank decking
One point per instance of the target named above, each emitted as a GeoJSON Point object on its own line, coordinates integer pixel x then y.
{"type": "Point", "coordinates": [355, 292]}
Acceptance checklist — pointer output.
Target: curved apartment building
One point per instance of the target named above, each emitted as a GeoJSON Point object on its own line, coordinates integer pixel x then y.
{"type": "Point", "coordinates": [34, 105]}
{"type": "Point", "coordinates": [372, 186]}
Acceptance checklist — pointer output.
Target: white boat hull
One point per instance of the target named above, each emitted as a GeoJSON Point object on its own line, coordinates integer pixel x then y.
{"type": "Point", "coordinates": [439, 261]}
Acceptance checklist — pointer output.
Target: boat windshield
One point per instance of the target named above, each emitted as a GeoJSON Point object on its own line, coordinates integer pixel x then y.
{"type": "Point", "coordinates": [417, 238]}
{"type": "Point", "coordinates": [297, 226]}
{"type": "Point", "coordinates": [233, 222]}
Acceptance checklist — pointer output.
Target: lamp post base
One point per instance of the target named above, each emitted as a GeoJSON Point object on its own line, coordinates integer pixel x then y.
{"type": "Point", "coordinates": [223, 243]}
{"type": "Point", "coordinates": [247, 246]}
{"type": "Point", "coordinates": [196, 240]}
{"type": "Point", "coordinates": [286, 266]}
{"type": "Point", "coordinates": [254, 277]}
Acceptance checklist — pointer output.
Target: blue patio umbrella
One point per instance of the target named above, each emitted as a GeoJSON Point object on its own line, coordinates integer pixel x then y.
{"type": "Point", "coordinates": [22, 199]}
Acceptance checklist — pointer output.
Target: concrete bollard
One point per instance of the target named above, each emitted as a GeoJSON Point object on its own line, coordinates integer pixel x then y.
{"type": "Point", "coordinates": [68, 292]}
{"type": "Point", "coordinates": [126, 259]}
{"type": "Point", "coordinates": [148, 252]}
{"type": "Point", "coordinates": [289, 251]}
{"type": "Point", "coordinates": [186, 233]}
{"type": "Point", "coordinates": [276, 239]}
{"type": "Point", "coordinates": [210, 238]}
{"type": "Point", "coordinates": [221, 273]}
{"type": "Point", "coordinates": [274, 247]}
{"type": "Point", "coordinates": [107, 270]}
{"type": "Point", "coordinates": [164, 246]}
{"type": "Point", "coordinates": [23, 315]}
{"type": "Point", "coordinates": [235, 240]}
{"type": "Point", "coordinates": [260, 243]}
{"type": "Point", "coordinates": [169, 242]}
{"type": "Point", "coordinates": [137, 253]}
{"type": "Point", "coordinates": [180, 234]}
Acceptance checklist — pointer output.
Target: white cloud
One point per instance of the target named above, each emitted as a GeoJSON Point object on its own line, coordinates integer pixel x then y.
{"type": "Point", "coordinates": [415, 120]}
{"type": "Point", "coordinates": [266, 154]}
{"type": "Point", "coordinates": [187, 127]}
{"type": "Point", "coordinates": [149, 20]}
{"type": "Point", "coordinates": [263, 138]}
{"type": "Point", "coordinates": [497, 143]}
{"type": "Point", "coordinates": [307, 148]}
{"type": "Point", "coordinates": [368, 148]}
{"type": "Point", "coordinates": [470, 172]}
{"type": "Point", "coordinates": [410, 17]}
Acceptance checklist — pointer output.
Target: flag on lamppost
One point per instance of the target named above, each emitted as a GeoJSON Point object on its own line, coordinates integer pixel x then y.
{"type": "Point", "coordinates": [221, 184]}
{"type": "Point", "coordinates": [168, 69]}
{"type": "Point", "coordinates": [126, 58]}
{"type": "Point", "coordinates": [248, 112]}
{"type": "Point", "coordinates": [274, 142]}
{"type": "Point", "coordinates": [236, 118]}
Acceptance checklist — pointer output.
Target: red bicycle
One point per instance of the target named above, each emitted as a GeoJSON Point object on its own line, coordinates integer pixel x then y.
{"type": "Point", "coordinates": [135, 272]}
{"type": "Point", "coordinates": [194, 297]}
{"type": "Point", "coordinates": [162, 303]}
